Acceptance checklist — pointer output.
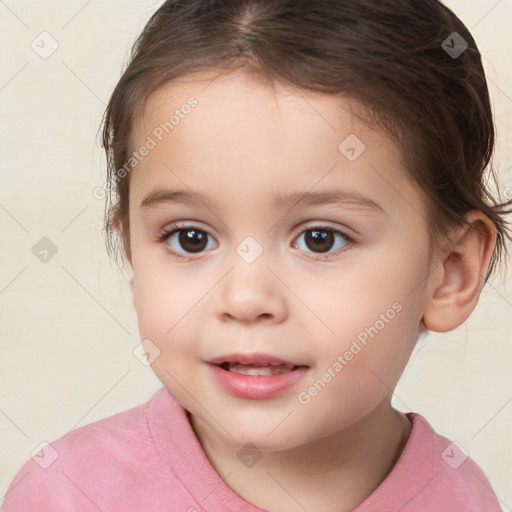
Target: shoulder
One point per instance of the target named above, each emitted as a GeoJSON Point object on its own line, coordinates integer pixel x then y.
{"type": "Point", "coordinates": [104, 440]}
{"type": "Point", "coordinates": [433, 474]}
{"type": "Point", "coordinates": [452, 480]}
{"type": "Point", "coordinates": [85, 461]}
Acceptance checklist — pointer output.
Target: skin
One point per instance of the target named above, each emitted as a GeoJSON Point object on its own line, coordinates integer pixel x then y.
{"type": "Point", "coordinates": [243, 143]}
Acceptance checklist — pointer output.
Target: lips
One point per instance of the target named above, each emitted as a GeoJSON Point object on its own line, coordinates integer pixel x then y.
{"type": "Point", "coordinates": [259, 379]}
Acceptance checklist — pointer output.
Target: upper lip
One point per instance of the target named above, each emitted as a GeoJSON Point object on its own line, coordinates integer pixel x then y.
{"type": "Point", "coordinates": [252, 358]}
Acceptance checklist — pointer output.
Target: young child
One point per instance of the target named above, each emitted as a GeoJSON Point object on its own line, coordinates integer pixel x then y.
{"type": "Point", "coordinates": [298, 188]}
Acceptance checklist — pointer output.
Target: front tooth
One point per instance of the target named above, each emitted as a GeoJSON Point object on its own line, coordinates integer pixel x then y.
{"type": "Point", "coordinates": [244, 369]}
{"type": "Point", "coordinates": [253, 370]}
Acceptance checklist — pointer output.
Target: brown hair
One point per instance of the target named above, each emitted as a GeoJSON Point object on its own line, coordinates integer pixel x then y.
{"type": "Point", "coordinates": [393, 56]}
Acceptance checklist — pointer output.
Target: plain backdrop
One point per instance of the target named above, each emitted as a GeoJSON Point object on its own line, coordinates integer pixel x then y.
{"type": "Point", "coordinates": [68, 328]}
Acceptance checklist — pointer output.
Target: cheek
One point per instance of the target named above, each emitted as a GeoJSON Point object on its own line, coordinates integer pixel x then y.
{"type": "Point", "coordinates": [155, 301]}
{"type": "Point", "coordinates": [373, 313]}
{"type": "Point", "coordinates": [361, 365]}
{"type": "Point", "coordinates": [374, 285]}
{"type": "Point", "coordinates": [170, 314]}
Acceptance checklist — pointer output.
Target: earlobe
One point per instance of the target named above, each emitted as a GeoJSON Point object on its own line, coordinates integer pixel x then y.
{"type": "Point", "coordinates": [455, 284]}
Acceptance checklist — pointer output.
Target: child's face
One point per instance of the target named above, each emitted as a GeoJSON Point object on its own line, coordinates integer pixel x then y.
{"type": "Point", "coordinates": [240, 146]}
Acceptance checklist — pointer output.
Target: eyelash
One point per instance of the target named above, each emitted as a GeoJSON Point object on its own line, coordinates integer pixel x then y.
{"type": "Point", "coordinates": [170, 230]}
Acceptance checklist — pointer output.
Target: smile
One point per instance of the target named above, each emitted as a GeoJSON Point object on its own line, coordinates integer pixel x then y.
{"type": "Point", "coordinates": [257, 381]}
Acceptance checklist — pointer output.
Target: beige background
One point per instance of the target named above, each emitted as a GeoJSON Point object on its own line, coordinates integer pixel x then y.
{"type": "Point", "coordinates": [67, 326]}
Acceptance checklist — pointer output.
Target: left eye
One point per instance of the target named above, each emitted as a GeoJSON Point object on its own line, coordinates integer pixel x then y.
{"type": "Point", "coordinates": [321, 239]}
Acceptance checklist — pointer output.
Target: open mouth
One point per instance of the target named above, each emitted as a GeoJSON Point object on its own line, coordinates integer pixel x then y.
{"type": "Point", "coordinates": [265, 369]}
{"type": "Point", "coordinates": [258, 377]}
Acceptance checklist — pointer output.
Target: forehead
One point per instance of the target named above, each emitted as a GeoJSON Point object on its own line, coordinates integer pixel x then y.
{"type": "Point", "coordinates": [268, 139]}
{"type": "Point", "coordinates": [241, 101]}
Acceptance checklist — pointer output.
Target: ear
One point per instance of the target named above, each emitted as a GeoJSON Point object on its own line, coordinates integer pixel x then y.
{"type": "Point", "coordinates": [124, 237]}
{"type": "Point", "coordinates": [133, 294]}
{"type": "Point", "coordinates": [120, 231]}
{"type": "Point", "coordinates": [460, 267]}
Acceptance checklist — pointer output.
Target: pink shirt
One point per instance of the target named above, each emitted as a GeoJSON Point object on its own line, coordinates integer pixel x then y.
{"type": "Point", "coordinates": [147, 459]}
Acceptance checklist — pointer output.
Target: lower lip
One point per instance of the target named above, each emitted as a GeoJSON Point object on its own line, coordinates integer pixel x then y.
{"type": "Point", "coordinates": [257, 387]}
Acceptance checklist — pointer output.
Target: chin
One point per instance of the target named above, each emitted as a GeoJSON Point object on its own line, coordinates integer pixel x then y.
{"type": "Point", "coordinates": [280, 439]}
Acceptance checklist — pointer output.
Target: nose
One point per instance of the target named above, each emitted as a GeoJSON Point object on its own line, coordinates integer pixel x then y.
{"type": "Point", "coordinates": [251, 292]}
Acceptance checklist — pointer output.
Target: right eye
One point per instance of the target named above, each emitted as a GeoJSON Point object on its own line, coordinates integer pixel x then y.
{"type": "Point", "coordinates": [190, 238]}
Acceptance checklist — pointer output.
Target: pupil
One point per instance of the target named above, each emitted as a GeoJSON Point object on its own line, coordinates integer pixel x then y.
{"type": "Point", "coordinates": [192, 240]}
{"type": "Point", "coordinates": [320, 239]}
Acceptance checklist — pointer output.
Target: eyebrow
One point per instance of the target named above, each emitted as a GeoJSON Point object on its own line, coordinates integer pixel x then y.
{"type": "Point", "coordinates": [161, 196]}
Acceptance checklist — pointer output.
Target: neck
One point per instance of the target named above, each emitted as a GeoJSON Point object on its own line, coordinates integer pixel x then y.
{"type": "Point", "coordinates": [334, 473]}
